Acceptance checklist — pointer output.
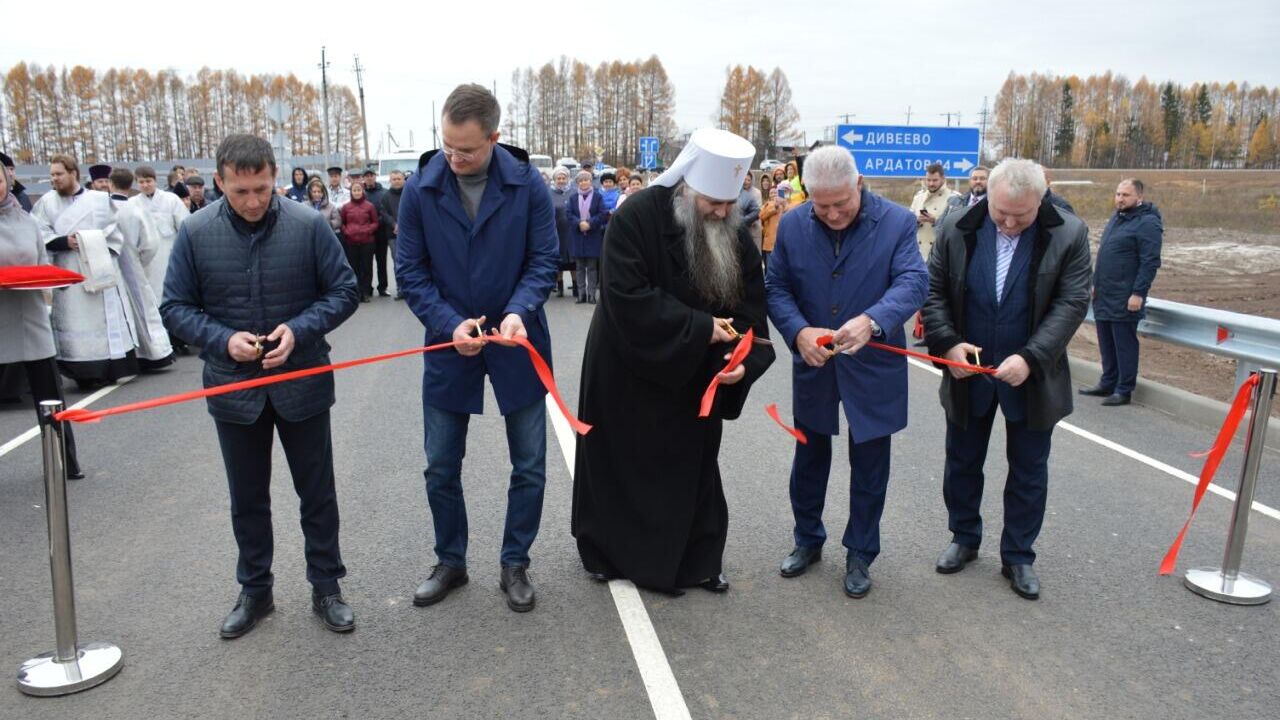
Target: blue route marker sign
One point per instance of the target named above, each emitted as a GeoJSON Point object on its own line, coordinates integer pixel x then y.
{"type": "Point", "coordinates": [648, 153]}
{"type": "Point", "coordinates": [906, 150]}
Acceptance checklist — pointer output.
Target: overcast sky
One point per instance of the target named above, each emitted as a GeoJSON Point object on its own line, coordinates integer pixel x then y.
{"type": "Point", "coordinates": [873, 58]}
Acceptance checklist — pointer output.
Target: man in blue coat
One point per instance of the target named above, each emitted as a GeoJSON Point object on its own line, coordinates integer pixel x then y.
{"type": "Point", "coordinates": [257, 281]}
{"type": "Point", "coordinates": [477, 250]}
{"type": "Point", "coordinates": [1127, 262]}
{"type": "Point", "coordinates": [845, 264]}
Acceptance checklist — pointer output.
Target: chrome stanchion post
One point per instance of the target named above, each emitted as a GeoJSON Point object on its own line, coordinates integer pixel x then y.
{"type": "Point", "coordinates": [71, 667]}
{"type": "Point", "coordinates": [1227, 584]}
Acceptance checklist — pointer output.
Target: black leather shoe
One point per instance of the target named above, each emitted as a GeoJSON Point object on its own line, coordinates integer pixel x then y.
{"type": "Point", "coordinates": [857, 578]}
{"type": "Point", "coordinates": [334, 612]}
{"type": "Point", "coordinates": [1023, 580]}
{"type": "Point", "coordinates": [799, 560]}
{"type": "Point", "coordinates": [1095, 391]}
{"type": "Point", "coordinates": [246, 614]}
{"type": "Point", "coordinates": [75, 473]}
{"type": "Point", "coordinates": [600, 577]}
{"type": "Point", "coordinates": [436, 587]}
{"type": "Point", "coordinates": [383, 293]}
{"type": "Point", "coordinates": [955, 557]}
{"type": "Point", "coordinates": [1116, 399]}
{"type": "Point", "coordinates": [515, 583]}
{"type": "Point", "coordinates": [582, 299]}
{"type": "Point", "coordinates": [717, 584]}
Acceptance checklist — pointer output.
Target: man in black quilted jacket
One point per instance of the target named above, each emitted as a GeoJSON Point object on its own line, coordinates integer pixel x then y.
{"type": "Point", "coordinates": [257, 284]}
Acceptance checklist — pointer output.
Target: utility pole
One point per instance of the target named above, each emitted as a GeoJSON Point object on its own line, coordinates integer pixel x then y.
{"type": "Point", "coordinates": [435, 137]}
{"type": "Point", "coordinates": [364, 119]}
{"type": "Point", "coordinates": [982, 128]}
{"type": "Point", "coordinates": [908, 114]}
{"type": "Point", "coordinates": [845, 117]}
{"type": "Point", "coordinates": [324, 90]}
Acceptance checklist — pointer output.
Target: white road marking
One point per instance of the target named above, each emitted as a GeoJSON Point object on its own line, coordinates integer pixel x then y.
{"type": "Point", "coordinates": [22, 439]}
{"type": "Point", "coordinates": [1135, 455]}
{"type": "Point", "coordinates": [659, 682]}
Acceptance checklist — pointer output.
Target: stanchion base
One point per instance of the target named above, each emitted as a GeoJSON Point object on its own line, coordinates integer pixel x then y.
{"type": "Point", "coordinates": [95, 664]}
{"type": "Point", "coordinates": [1211, 583]}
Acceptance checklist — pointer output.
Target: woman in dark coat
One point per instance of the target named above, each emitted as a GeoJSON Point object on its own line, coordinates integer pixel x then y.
{"type": "Point", "coordinates": [560, 194]}
{"type": "Point", "coordinates": [587, 217]}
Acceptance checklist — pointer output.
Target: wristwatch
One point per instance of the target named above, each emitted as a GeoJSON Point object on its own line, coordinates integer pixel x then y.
{"type": "Point", "coordinates": [875, 327]}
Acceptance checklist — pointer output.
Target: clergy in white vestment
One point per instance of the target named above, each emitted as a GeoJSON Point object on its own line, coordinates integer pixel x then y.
{"type": "Point", "coordinates": [141, 242]}
{"type": "Point", "coordinates": [167, 213]}
{"type": "Point", "coordinates": [93, 325]}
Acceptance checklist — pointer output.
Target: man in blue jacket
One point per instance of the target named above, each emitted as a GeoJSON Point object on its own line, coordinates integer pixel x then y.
{"type": "Point", "coordinates": [1127, 262]}
{"type": "Point", "coordinates": [477, 249]}
{"type": "Point", "coordinates": [845, 264]}
{"type": "Point", "coordinates": [257, 281]}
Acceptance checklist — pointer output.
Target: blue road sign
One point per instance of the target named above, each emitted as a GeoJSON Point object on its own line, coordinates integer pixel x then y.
{"type": "Point", "coordinates": [648, 153]}
{"type": "Point", "coordinates": [905, 151]}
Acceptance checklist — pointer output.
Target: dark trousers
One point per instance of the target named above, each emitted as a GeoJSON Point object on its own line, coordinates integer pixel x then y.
{"type": "Point", "coordinates": [446, 444]}
{"type": "Point", "coordinates": [1118, 345]}
{"type": "Point", "coordinates": [360, 258]}
{"type": "Point", "coordinates": [1025, 489]}
{"type": "Point", "coordinates": [308, 447]}
{"type": "Point", "coordinates": [380, 246]}
{"type": "Point", "coordinates": [46, 384]}
{"type": "Point", "coordinates": [868, 481]}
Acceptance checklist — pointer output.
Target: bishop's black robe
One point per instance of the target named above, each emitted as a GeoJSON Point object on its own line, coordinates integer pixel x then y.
{"type": "Point", "coordinates": [648, 504]}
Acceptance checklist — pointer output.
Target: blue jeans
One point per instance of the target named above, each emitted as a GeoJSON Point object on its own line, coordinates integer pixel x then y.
{"type": "Point", "coordinates": [446, 444]}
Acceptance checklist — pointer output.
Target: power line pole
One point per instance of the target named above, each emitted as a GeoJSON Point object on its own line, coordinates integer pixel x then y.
{"type": "Point", "coordinates": [845, 117]}
{"type": "Point", "coordinates": [324, 90]}
{"type": "Point", "coordinates": [982, 127]}
{"type": "Point", "coordinates": [908, 114]}
{"type": "Point", "coordinates": [435, 138]}
{"type": "Point", "coordinates": [364, 119]}
{"type": "Point", "coordinates": [948, 115]}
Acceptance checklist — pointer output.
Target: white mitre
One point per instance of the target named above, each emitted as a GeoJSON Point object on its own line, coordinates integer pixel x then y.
{"type": "Point", "coordinates": [713, 162]}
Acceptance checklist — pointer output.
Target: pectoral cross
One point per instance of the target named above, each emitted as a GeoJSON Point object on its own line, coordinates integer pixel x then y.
{"type": "Point", "coordinates": [737, 170]}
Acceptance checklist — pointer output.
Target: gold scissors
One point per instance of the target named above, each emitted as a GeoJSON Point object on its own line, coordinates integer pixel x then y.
{"type": "Point", "coordinates": [733, 333]}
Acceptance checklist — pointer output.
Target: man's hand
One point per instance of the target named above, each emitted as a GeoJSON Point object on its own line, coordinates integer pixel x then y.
{"type": "Point", "coordinates": [718, 332]}
{"type": "Point", "coordinates": [467, 334]}
{"type": "Point", "coordinates": [512, 327]}
{"type": "Point", "coordinates": [807, 344]}
{"type": "Point", "coordinates": [1135, 303]}
{"type": "Point", "coordinates": [584, 225]}
{"type": "Point", "coordinates": [925, 217]}
{"type": "Point", "coordinates": [73, 241]}
{"type": "Point", "coordinates": [243, 347]}
{"type": "Point", "coordinates": [734, 376]}
{"type": "Point", "coordinates": [960, 353]}
{"type": "Point", "coordinates": [853, 335]}
{"type": "Point", "coordinates": [277, 357]}
{"type": "Point", "coordinates": [1013, 370]}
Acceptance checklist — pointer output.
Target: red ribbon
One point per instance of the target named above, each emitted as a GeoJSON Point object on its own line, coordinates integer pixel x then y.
{"type": "Point", "coordinates": [37, 277]}
{"type": "Point", "coordinates": [540, 366]}
{"type": "Point", "coordinates": [828, 340]}
{"type": "Point", "coordinates": [1216, 453]}
{"type": "Point", "coordinates": [739, 354]}
{"type": "Point", "coordinates": [772, 410]}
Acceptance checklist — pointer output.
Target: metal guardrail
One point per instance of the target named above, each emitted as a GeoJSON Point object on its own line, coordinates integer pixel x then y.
{"type": "Point", "coordinates": [1252, 341]}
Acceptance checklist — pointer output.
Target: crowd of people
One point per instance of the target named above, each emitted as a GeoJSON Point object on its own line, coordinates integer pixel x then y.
{"type": "Point", "coordinates": [691, 268]}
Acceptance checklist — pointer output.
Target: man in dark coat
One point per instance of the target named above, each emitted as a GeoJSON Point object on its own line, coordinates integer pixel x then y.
{"type": "Point", "coordinates": [678, 264]}
{"type": "Point", "coordinates": [1127, 262]}
{"type": "Point", "coordinates": [382, 237]}
{"type": "Point", "coordinates": [389, 214]}
{"type": "Point", "coordinates": [257, 282]}
{"type": "Point", "coordinates": [1008, 280]}
{"type": "Point", "coordinates": [477, 252]}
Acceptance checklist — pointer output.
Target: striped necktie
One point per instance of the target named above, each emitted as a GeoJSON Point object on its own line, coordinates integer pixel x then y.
{"type": "Point", "coordinates": [1005, 245]}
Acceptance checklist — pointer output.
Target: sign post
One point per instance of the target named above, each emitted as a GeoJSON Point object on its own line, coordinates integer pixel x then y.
{"type": "Point", "coordinates": [905, 151]}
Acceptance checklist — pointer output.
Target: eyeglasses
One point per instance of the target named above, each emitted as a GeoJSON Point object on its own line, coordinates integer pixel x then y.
{"type": "Point", "coordinates": [460, 155]}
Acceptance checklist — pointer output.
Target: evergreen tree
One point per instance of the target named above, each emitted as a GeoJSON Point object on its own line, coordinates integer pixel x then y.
{"type": "Point", "coordinates": [1065, 138]}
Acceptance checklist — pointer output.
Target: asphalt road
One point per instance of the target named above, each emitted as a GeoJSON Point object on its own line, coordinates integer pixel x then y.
{"type": "Point", "coordinates": [154, 563]}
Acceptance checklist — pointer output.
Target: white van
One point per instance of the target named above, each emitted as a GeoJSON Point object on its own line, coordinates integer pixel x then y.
{"type": "Point", "coordinates": [406, 161]}
{"type": "Point", "coordinates": [541, 163]}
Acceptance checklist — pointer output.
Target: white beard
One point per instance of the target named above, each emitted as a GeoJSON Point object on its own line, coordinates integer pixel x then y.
{"type": "Point", "coordinates": [711, 247]}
